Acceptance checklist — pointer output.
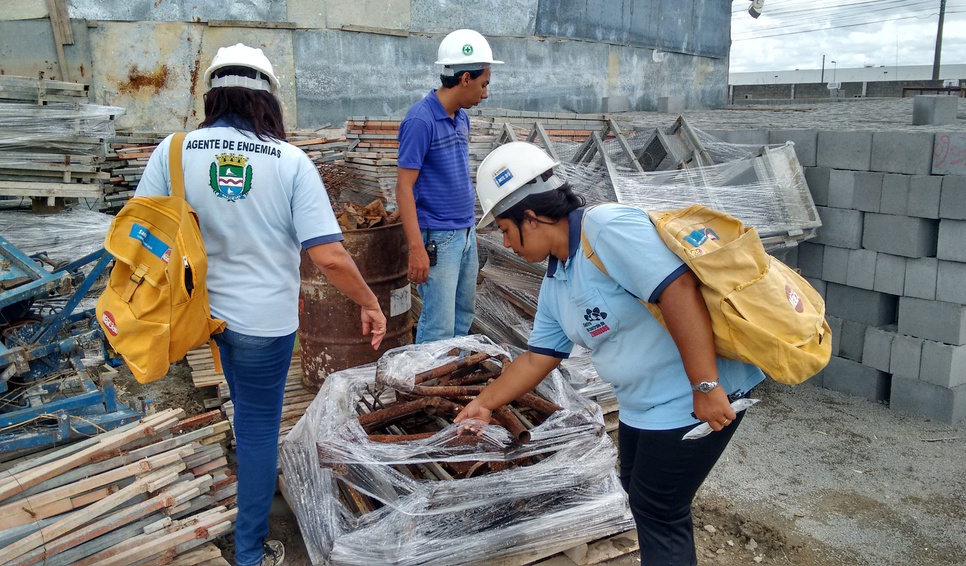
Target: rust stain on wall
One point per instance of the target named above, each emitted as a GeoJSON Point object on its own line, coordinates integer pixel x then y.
{"type": "Point", "coordinates": [138, 80]}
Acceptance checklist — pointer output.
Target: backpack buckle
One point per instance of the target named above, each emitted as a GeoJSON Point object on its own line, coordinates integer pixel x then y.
{"type": "Point", "coordinates": [134, 280]}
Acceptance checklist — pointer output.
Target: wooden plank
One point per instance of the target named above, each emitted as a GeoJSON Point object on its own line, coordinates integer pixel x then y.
{"type": "Point", "coordinates": [251, 24]}
{"type": "Point", "coordinates": [33, 189]}
{"type": "Point", "coordinates": [376, 30]}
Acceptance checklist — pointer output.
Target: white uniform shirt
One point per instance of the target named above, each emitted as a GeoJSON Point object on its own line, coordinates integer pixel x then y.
{"type": "Point", "coordinates": [579, 304]}
{"type": "Point", "coordinates": [259, 203]}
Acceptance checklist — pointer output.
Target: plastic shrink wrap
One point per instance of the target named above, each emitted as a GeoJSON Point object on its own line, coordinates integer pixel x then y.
{"type": "Point", "coordinates": [569, 493]}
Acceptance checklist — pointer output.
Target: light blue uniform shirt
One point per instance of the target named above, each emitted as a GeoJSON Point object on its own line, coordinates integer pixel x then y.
{"type": "Point", "coordinates": [579, 304]}
{"type": "Point", "coordinates": [259, 202]}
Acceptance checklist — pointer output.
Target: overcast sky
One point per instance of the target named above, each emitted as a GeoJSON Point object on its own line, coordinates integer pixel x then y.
{"type": "Point", "coordinates": [854, 33]}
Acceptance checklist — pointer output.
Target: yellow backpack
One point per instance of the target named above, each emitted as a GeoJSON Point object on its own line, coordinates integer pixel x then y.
{"type": "Point", "coordinates": [762, 311]}
{"type": "Point", "coordinates": [155, 307]}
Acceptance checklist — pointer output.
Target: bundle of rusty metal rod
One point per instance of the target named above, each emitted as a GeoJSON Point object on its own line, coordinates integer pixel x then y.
{"type": "Point", "coordinates": [444, 391]}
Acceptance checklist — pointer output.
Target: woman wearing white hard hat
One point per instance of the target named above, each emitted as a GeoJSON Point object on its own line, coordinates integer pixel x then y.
{"type": "Point", "coordinates": [666, 381]}
{"type": "Point", "coordinates": [260, 201]}
{"type": "Point", "coordinates": [434, 188]}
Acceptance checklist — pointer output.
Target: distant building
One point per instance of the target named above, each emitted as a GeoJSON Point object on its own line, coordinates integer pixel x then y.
{"type": "Point", "coordinates": [848, 75]}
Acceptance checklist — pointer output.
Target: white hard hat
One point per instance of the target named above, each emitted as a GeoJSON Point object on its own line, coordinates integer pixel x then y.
{"type": "Point", "coordinates": [511, 173]}
{"type": "Point", "coordinates": [241, 55]}
{"type": "Point", "coordinates": [464, 50]}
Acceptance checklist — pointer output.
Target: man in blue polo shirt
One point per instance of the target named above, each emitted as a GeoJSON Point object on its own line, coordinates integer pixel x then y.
{"type": "Point", "coordinates": [434, 188]}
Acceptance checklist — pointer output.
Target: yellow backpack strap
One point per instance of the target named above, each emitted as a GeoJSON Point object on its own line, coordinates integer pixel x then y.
{"type": "Point", "coordinates": [175, 169]}
{"type": "Point", "coordinates": [133, 281]}
{"type": "Point", "coordinates": [592, 256]}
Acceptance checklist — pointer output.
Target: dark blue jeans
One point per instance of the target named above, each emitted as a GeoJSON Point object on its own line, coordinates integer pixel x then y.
{"type": "Point", "coordinates": [256, 368]}
{"type": "Point", "coordinates": [661, 473]}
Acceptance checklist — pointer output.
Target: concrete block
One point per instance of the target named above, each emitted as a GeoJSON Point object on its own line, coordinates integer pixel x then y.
{"type": "Point", "coordinates": [610, 104]}
{"type": "Point", "coordinates": [852, 340]}
{"type": "Point", "coordinates": [877, 349]}
{"type": "Point", "coordinates": [844, 150]}
{"type": "Point", "coordinates": [867, 193]}
{"type": "Point", "coordinates": [931, 110]}
{"type": "Point", "coordinates": [840, 227]}
{"type": "Point", "coordinates": [859, 305]}
{"type": "Point", "coordinates": [895, 194]}
{"type": "Point", "coordinates": [817, 179]}
{"type": "Point", "coordinates": [942, 364]}
{"type": "Point", "coordinates": [820, 285]}
{"type": "Point", "coordinates": [854, 378]}
{"type": "Point", "coordinates": [951, 282]}
{"type": "Point", "coordinates": [810, 259]}
{"type": "Point", "coordinates": [925, 192]}
{"type": "Point", "coordinates": [669, 104]}
{"type": "Point", "coordinates": [932, 401]}
{"type": "Point", "coordinates": [806, 143]}
{"type": "Point", "coordinates": [861, 270]}
{"type": "Point", "coordinates": [841, 188]}
{"type": "Point", "coordinates": [948, 154]}
{"type": "Point", "coordinates": [835, 325]}
{"type": "Point", "coordinates": [746, 137]}
{"type": "Point", "coordinates": [906, 356]}
{"type": "Point", "coordinates": [933, 320]}
{"type": "Point", "coordinates": [902, 152]}
{"type": "Point", "coordinates": [835, 265]}
{"type": "Point", "coordinates": [952, 203]}
{"type": "Point", "coordinates": [890, 274]}
{"type": "Point", "coordinates": [900, 235]}
{"type": "Point", "coordinates": [921, 277]}
{"type": "Point", "coordinates": [951, 240]}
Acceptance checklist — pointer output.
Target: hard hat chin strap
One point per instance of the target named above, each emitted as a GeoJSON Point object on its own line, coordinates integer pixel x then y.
{"type": "Point", "coordinates": [244, 82]}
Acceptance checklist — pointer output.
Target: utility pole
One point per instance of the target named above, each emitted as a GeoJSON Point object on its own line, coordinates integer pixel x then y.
{"type": "Point", "coordinates": [822, 80]}
{"type": "Point", "coordinates": [939, 40]}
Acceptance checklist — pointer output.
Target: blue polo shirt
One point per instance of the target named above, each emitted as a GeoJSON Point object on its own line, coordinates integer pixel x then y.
{"type": "Point", "coordinates": [579, 304]}
{"type": "Point", "coordinates": [438, 147]}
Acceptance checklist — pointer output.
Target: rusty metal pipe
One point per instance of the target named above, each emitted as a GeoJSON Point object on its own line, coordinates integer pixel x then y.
{"type": "Point", "coordinates": [393, 438]}
{"type": "Point", "coordinates": [447, 391]}
{"type": "Point", "coordinates": [539, 404]}
{"type": "Point", "coordinates": [382, 417]}
{"type": "Point", "coordinates": [512, 423]}
{"type": "Point", "coordinates": [450, 367]}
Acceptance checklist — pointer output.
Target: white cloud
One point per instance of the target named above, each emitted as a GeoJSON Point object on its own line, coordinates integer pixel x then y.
{"type": "Point", "coordinates": [885, 40]}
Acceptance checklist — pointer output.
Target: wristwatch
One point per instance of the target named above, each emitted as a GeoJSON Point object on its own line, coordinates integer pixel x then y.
{"type": "Point", "coordinates": [705, 386]}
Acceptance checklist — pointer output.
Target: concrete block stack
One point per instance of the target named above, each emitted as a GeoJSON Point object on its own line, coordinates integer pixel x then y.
{"type": "Point", "coordinates": [891, 264]}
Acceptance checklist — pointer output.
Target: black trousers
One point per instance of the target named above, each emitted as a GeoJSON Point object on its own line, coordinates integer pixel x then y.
{"type": "Point", "coordinates": [661, 474]}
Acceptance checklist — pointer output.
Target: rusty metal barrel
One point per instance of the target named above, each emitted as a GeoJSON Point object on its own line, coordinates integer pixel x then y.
{"type": "Point", "coordinates": [330, 331]}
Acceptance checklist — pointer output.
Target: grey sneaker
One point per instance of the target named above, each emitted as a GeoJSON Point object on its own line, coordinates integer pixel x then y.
{"type": "Point", "coordinates": [274, 553]}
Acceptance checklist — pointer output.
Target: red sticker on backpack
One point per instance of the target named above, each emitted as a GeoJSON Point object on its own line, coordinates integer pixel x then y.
{"type": "Point", "coordinates": [794, 299]}
{"type": "Point", "coordinates": [107, 319]}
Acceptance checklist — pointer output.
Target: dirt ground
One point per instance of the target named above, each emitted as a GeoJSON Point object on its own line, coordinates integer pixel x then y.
{"type": "Point", "coordinates": [813, 477]}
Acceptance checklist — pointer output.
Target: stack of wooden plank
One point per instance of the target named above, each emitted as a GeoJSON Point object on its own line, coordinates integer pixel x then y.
{"type": "Point", "coordinates": [152, 492]}
{"type": "Point", "coordinates": [52, 142]}
{"type": "Point", "coordinates": [371, 155]}
{"type": "Point", "coordinates": [128, 155]}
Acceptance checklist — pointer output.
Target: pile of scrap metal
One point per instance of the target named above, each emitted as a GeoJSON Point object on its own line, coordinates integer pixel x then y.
{"type": "Point", "coordinates": [154, 492]}
{"type": "Point", "coordinates": [50, 345]}
{"type": "Point", "coordinates": [377, 473]}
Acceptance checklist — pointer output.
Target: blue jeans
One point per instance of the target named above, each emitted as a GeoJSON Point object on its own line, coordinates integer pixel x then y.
{"type": "Point", "coordinates": [256, 368]}
{"type": "Point", "coordinates": [449, 295]}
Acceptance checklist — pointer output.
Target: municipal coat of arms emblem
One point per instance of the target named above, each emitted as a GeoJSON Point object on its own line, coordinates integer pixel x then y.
{"type": "Point", "coordinates": [230, 178]}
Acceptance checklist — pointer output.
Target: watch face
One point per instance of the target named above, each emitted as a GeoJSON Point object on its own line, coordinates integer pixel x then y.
{"type": "Point", "coordinates": [706, 386]}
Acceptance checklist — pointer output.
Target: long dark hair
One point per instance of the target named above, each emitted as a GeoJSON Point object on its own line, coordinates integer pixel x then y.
{"type": "Point", "coordinates": [555, 204]}
{"type": "Point", "coordinates": [260, 108]}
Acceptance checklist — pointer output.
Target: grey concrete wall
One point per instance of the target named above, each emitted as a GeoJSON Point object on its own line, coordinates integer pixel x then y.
{"type": "Point", "coordinates": [149, 56]}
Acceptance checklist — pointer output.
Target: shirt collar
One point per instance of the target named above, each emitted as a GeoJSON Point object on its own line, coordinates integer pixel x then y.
{"type": "Point", "coordinates": [575, 220]}
{"type": "Point", "coordinates": [439, 112]}
{"type": "Point", "coordinates": [234, 121]}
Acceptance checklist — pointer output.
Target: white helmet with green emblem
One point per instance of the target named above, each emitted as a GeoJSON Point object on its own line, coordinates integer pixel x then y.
{"type": "Point", "coordinates": [464, 50]}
